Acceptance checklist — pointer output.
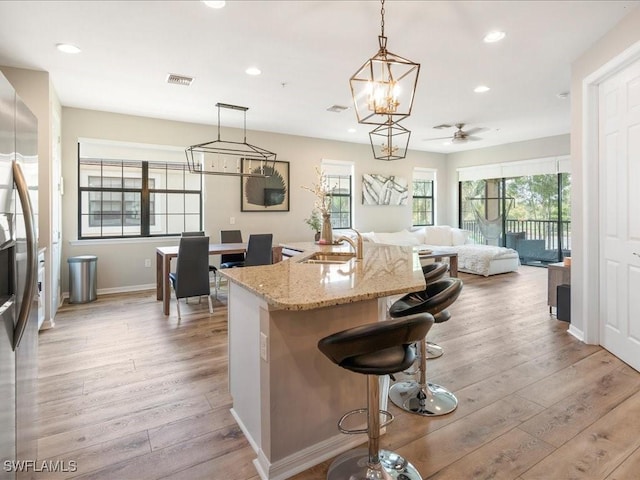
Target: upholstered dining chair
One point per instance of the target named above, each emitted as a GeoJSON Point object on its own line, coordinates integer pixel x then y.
{"type": "Point", "coordinates": [259, 250]}
{"type": "Point", "coordinates": [231, 260]}
{"type": "Point", "coordinates": [212, 268]}
{"type": "Point", "coordinates": [191, 278]}
{"type": "Point", "coordinates": [228, 260]}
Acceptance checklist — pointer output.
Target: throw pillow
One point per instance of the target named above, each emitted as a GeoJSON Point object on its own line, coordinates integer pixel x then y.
{"type": "Point", "coordinates": [459, 236]}
{"type": "Point", "coordinates": [438, 235]}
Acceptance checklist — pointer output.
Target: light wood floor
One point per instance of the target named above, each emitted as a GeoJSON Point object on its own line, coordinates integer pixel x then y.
{"type": "Point", "coordinates": [127, 393]}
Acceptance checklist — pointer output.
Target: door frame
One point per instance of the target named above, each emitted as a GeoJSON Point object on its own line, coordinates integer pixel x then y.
{"type": "Point", "coordinates": [590, 165]}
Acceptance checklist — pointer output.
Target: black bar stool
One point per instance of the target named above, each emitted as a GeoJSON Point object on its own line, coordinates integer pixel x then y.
{"type": "Point", "coordinates": [374, 349]}
{"type": "Point", "coordinates": [422, 397]}
{"type": "Point", "coordinates": [432, 272]}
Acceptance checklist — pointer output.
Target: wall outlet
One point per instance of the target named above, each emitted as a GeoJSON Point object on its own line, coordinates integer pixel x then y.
{"type": "Point", "coordinates": [263, 347]}
{"type": "Point", "coordinates": [232, 220]}
{"type": "Point", "coordinates": [147, 263]}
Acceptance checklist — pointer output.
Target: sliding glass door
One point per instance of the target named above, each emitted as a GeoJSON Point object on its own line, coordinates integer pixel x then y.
{"type": "Point", "coordinates": [529, 213]}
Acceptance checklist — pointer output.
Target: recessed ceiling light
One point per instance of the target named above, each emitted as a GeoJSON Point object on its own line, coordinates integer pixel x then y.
{"type": "Point", "coordinates": [253, 71]}
{"type": "Point", "coordinates": [494, 36]}
{"type": "Point", "coordinates": [481, 89]}
{"type": "Point", "coordinates": [67, 48]}
{"type": "Point", "coordinates": [352, 130]}
{"type": "Point", "coordinates": [213, 4]}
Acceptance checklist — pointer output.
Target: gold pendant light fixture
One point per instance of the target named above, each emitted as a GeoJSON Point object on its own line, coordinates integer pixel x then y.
{"type": "Point", "coordinates": [225, 157]}
{"type": "Point", "coordinates": [389, 141]}
{"type": "Point", "coordinates": [383, 89]}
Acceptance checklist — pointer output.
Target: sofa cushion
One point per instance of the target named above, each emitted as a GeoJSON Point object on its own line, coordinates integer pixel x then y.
{"type": "Point", "coordinates": [438, 235]}
{"type": "Point", "coordinates": [419, 233]}
{"type": "Point", "coordinates": [459, 236]}
{"type": "Point", "coordinates": [403, 238]}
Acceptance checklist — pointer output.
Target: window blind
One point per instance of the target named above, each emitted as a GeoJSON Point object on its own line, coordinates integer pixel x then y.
{"type": "Point", "coordinates": [540, 166]}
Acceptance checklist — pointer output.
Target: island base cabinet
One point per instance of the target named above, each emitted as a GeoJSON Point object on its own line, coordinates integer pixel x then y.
{"type": "Point", "coordinates": [287, 396]}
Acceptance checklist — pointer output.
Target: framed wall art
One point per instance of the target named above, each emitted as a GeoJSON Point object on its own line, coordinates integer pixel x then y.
{"type": "Point", "coordinates": [384, 190]}
{"type": "Point", "coordinates": [265, 194]}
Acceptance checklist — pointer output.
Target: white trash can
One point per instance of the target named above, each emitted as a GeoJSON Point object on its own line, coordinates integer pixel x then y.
{"type": "Point", "coordinates": [83, 286]}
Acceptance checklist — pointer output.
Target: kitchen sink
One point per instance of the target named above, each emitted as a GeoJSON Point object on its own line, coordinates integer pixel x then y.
{"type": "Point", "coordinates": [329, 257]}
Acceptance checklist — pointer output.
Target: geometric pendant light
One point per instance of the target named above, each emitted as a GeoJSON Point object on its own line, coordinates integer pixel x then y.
{"type": "Point", "coordinates": [384, 86]}
{"type": "Point", "coordinates": [227, 157]}
{"type": "Point", "coordinates": [389, 141]}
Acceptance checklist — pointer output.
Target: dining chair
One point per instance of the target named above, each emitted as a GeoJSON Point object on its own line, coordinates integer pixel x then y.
{"type": "Point", "coordinates": [212, 268]}
{"type": "Point", "coordinates": [191, 278]}
{"type": "Point", "coordinates": [231, 260]}
{"type": "Point", "coordinates": [259, 250]}
{"type": "Point", "coordinates": [228, 260]}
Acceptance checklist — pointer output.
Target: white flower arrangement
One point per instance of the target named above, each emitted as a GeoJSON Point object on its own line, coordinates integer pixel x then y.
{"type": "Point", "coordinates": [322, 192]}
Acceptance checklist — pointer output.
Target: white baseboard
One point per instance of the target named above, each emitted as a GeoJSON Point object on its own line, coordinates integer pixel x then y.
{"type": "Point", "coordinates": [299, 461]}
{"type": "Point", "coordinates": [306, 458]}
{"type": "Point", "coordinates": [127, 289]}
{"type": "Point", "coordinates": [579, 334]}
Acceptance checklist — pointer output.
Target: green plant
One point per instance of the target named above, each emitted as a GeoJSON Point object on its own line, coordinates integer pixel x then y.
{"type": "Point", "coordinates": [314, 221]}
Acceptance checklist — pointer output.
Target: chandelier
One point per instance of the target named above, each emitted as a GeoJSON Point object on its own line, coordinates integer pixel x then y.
{"type": "Point", "coordinates": [225, 157]}
{"type": "Point", "coordinates": [389, 141]}
{"type": "Point", "coordinates": [385, 85]}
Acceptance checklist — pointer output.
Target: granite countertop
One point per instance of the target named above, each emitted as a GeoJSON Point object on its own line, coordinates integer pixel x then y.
{"type": "Point", "coordinates": [292, 285]}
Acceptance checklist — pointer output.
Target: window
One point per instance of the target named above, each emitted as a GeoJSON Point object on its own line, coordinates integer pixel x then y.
{"type": "Point", "coordinates": [422, 200]}
{"type": "Point", "coordinates": [339, 175]}
{"type": "Point", "coordinates": [340, 200]}
{"type": "Point", "coordinates": [524, 205]}
{"type": "Point", "coordinates": [120, 198]}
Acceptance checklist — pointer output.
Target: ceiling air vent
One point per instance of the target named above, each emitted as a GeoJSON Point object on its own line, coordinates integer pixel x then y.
{"type": "Point", "coordinates": [337, 108]}
{"type": "Point", "coordinates": [179, 79]}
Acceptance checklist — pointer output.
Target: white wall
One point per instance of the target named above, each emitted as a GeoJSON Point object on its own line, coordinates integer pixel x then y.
{"type": "Point", "coordinates": [585, 220]}
{"type": "Point", "coordinates": [35, 89]}
{"type": "Point", "coordinates": [121, 262]}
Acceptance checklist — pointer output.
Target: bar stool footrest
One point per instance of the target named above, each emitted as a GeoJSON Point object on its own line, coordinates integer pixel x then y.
{"type": "Point", "coordinates": [388, 415]}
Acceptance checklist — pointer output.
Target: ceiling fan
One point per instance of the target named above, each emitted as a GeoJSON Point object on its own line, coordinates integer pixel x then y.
{"type": "Point", "coordinates": [460, 135]}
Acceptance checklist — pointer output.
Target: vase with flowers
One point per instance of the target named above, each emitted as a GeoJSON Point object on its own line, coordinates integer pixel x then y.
{"type": "Point", "coordinates": [322, 204]}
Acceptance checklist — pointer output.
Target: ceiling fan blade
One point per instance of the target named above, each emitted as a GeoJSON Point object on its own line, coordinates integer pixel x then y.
{"type": "Point", "coordinates": [438, 138]}
{"type": "Point", "coordinates": [473, 131]}
{"type": "Point", "coordinates": [472, 138]}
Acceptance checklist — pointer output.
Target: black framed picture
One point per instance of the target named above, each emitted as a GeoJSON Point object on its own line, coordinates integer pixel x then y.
{"type": "Point", "coordinates": [265, 194]}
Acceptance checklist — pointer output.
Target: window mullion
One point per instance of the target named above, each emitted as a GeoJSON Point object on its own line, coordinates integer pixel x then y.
{"type": "Point", "coordinates": [145, 202]}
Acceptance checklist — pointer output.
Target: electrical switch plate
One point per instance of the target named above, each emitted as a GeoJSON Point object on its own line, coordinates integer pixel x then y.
{"type": "Point", "coordinates": [147, 262]}
{"type": "Point", "coordinates": [263, 346]}
{"type": "Point", "coordinates": [232, 220]}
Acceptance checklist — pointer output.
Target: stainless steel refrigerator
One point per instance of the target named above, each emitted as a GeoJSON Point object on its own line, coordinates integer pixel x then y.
{"type": "Point", "coordinates": [18, 282]}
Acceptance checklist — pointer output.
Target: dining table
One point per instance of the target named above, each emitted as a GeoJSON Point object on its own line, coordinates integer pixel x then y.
{"type": "Point", "coordinates": [166, 253]}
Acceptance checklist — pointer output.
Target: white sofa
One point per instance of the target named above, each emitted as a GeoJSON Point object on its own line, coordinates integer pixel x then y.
{"type": "Point", "coordinates": [472, 258]}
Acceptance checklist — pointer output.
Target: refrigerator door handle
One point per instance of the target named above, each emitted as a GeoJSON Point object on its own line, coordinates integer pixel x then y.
{"type": "Point", "coordinates": [32, 260]}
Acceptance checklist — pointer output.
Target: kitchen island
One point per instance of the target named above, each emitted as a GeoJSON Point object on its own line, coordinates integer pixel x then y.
{"type": "Point", "coordinates": [287, 397]}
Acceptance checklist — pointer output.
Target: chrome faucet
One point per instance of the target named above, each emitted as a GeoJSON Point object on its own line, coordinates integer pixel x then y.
{"type": "Point", "coordinates": [357, 247]}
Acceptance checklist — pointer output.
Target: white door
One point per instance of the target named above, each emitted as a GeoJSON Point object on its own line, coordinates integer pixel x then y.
{"type": "Point", "coordinates": [619, 137]}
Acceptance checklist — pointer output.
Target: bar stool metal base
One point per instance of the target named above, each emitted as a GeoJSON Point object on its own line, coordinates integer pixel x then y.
{"type": "Point", "coordinates": [354, 465]}
{"type": "Point", "coordinates": [428, 400]}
